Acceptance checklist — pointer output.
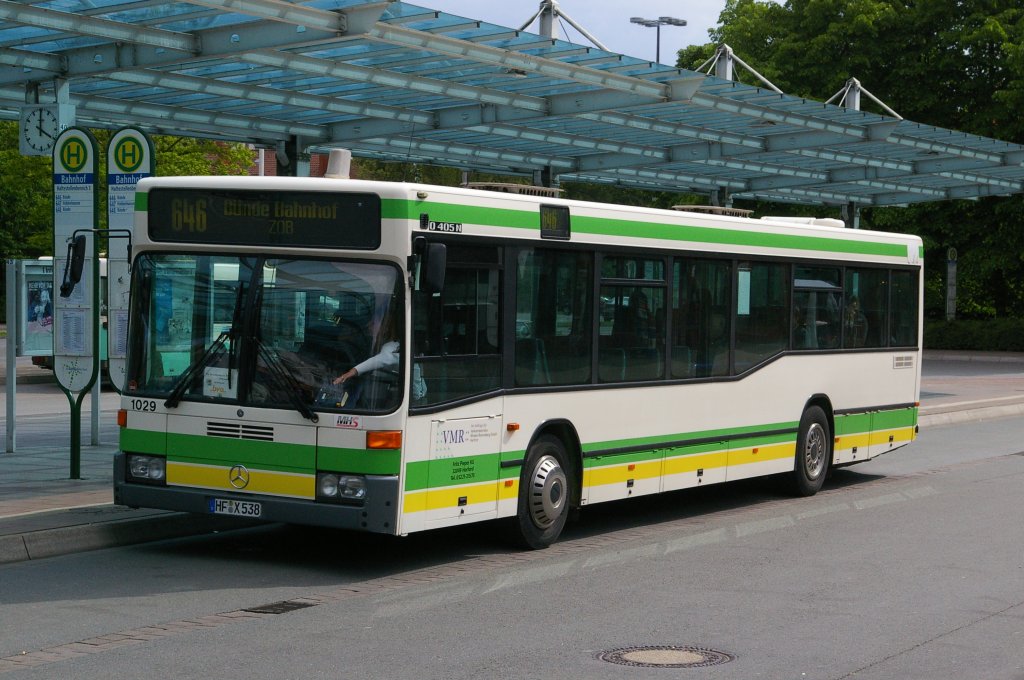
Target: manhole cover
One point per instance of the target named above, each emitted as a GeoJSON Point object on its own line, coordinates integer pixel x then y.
{"type": "Point", "coordinates": [666, 656]}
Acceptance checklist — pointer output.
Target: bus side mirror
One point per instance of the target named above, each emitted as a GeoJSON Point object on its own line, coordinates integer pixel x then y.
{"type": "Point", "coordinates": [434, 264]}
{"type": "Point", "coordinates": [431, 260]}
{"type": "Point", "coordinates": [73, 266]}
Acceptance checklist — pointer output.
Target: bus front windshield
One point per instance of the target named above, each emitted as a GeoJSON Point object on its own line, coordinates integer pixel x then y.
{"type": "Point", "coordinates": [268, 332]}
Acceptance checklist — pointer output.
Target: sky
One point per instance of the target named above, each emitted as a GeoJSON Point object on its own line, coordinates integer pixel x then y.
{"type": "Point", "coordinates": [606, 20]}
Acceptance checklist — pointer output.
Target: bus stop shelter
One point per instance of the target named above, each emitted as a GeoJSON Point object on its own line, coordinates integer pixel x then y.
{"type": "Point", "coordinates": [402, 82]}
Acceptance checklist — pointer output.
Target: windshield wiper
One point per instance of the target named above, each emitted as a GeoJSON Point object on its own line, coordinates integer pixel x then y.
{"type": "Point", "coordinates": [211, 352]}
{"type": "Point", "coordinates": [285, 381]}
{"type": "Point", "coordinates": [282, 377]}
{"type": "Point", "coordinates": [205, 360]}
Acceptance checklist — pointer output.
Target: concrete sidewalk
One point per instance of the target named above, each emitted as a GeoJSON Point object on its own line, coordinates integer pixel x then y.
{"type": "Point", "coordinates": [43, 513]}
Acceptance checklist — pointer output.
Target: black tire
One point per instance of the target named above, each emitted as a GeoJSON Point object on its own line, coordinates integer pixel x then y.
{"type": "Point", "coordinates": [544, 494]}
{"type": "Point", "coordinates": [813, 453]}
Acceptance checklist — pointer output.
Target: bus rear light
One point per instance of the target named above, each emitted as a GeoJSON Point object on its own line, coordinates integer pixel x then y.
{"type": "Point", "coordinates": [384, 439]}
{"type": "Point", "coordinates": [122, 418]}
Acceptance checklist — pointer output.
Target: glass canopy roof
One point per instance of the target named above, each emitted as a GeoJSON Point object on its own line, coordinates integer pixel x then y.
{"type": "Point", "coordinates": [397, 81]}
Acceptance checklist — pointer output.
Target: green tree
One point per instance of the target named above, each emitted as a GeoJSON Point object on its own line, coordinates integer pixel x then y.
{"type": "Point", "coordinates": [178, 156]}
{"type": "Point", "coordinates": [25, 199]}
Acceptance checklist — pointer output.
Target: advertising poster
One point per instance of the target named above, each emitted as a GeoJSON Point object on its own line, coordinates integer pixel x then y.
{"type": "Point", "coordinates": [38, 306]}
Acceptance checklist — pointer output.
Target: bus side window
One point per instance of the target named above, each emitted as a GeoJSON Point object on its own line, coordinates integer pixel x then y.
{"type": "Point", "coordinates": [701, 317]}
{"type": "Point", "coordinates": [903, 309]}
{"type": "Point", "coordinates": [818, 296]}
{"type": "Point", "coordinates": [554, 291]}
{"type": "Point", "coordinates": [456, 333]}
{"type": "Point", "coordinates": [761, 312]}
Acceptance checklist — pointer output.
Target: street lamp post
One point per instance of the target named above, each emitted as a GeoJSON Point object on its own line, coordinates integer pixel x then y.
{"type": "Point", "coordinates": [657, 24]}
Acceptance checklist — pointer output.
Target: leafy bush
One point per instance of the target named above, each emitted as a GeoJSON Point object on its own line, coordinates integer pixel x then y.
{"type": "Point", "coordinates": [986, 335]}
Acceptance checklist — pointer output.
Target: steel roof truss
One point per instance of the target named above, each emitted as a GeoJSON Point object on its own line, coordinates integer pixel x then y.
{"type": "Point", "coordinates": [394, 79]}
{"type": "Point", "coordinates": [352, 20]}
{"type": "Point", "coordinates": [455, 150]}
{"type": "Point", "coordinates": [551, 68]}
{"type": "Point", "coordinates": [26, 59]}
{"type": "Point", "coordinates": [220, 42]}
{"type": "Point", "coordinates": [269, 95]}
{"type": "Point", "coordinates": [67, 22]}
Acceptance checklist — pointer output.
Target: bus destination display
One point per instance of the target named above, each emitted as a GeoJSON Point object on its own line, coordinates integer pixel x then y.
{"type": "Point", "coordinates": [264, 218]}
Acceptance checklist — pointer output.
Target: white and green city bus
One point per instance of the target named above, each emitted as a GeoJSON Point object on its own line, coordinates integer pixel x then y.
{"type": "Point", "coordinates": [551, 353]}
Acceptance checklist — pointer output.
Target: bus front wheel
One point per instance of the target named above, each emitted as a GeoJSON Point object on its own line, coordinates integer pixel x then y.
{"type": "Point", "coordinates": [543, 494]}
{"type": "Point", "coordinates": [813, 452]}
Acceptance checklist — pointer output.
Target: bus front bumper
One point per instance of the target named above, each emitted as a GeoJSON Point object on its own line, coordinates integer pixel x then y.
{"type": "Point", "coordinates": [378, 514]}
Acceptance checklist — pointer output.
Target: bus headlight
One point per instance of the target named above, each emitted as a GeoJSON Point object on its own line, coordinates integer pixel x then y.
{"type": "Point", "coordinates": [150, 469]}
{"type": "Point", "coordinates": [340, 488]}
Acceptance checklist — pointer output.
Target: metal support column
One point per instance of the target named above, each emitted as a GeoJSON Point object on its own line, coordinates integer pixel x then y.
{"type": "Point", "coordinates": [850, 212]}
{"type": "Point", "coordinates": [12, 369]}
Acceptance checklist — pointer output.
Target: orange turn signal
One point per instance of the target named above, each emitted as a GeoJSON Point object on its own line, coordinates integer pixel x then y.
{"type": "Point", "coordinates": [122, 418]}
{"type": "Point", "coordinates": [512, 427]}
{"type": "Point", "coordinates": [384, 439]}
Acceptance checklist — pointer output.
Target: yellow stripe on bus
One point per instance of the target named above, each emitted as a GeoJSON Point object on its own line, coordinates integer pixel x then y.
{"type": "Point", "coordinates": [848, 441]}
{"type": "Point", "coordinates": [759, 454]}
{"type": "Point", "coordinates": [617, 474]}
{"type": "Point", "coordinates": [436, 499]}
{"type": "Point", "coordinates": [260, 481]}
{"type": "Point", "coordinates": [905, 434]}
{"type": "Point", "coordinates": [692, 463]}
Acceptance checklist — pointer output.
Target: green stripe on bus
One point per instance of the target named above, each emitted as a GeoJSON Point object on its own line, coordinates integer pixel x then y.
{"type": "Point", "coordinates": [142, 200]}
{"type": "Point", "coordinates": [685, 450]}
{"type": "Point", "coordinates": [361, 461]}
{"type": "Point", "coordinates": [888, 420]}
{"type": "Point", "coordinates": [484, 467]}
{"type": "Point", "coordinates": [620, 458]}
{"type": "Point", "coordinates": [467, 214]}
{"type": "Point", "coordinates": [853, 424]}
{"type": "Point", "coordinates": [733, 237]}
{"type": "Point", "coordinates": [857, 423]}
{"type": "Point", "coordinates": [746, 432]}
{"type": "Point", "coordinates": [656, 454]}
{"type": "Point", "coordinates": [274, 456]}
{"type": "Point", "coordinates": [143, 441]}
{"type": "Point", "coordinates": [530, 219]}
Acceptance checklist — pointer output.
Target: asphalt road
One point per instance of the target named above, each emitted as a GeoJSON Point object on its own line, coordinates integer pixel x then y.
{"type": "Point", "coordinates": [910, 566]}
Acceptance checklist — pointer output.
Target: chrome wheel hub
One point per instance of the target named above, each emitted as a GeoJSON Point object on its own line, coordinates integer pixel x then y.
{"type": "Point", "coordinates": [547, 496]}
{"type": "Point", "coordinates": [815, 450]}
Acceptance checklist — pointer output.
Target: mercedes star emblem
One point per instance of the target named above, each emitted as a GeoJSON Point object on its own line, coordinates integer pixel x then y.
{"type": "Point", "coordinates": [238, 476]}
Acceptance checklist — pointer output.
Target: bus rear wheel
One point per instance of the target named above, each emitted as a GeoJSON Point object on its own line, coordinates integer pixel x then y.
{"type": "Point", "coordinates": [544, 496]}
{"type": "Point", "coordinates": [813, 452]}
